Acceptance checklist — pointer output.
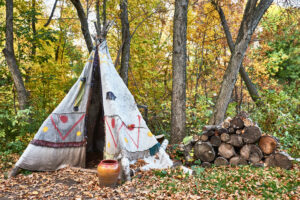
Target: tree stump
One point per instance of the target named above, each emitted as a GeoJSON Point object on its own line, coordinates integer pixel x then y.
{"type": "Point", "coordinates": [251, 134]}
{"type": "Point", "coordinates": [204, 151]}
{"type": "Point", "coordinates": [221, 161]}
{"type": "Point", "coordinates": [267, 144]}
{"type": "Point", "coordinates": [226, 150]}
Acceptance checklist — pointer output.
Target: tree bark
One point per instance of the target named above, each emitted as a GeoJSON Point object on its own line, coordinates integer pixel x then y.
{"type": "Point", "coordinates": [252, 15]}
{"type": "Point", "coordinates": [84, 24]}
{"type": "Point", "coordinates": [178, 115]}
{"type": "Point", "coordinates": [98, 29]}
{"type": "Point", "coordinates": [51, 15]}
{"type": "Point", "coordinates": [9, 54]}
{"type": "Point", "coordinates": [250, 86]}
{"type": "Point", "coordinates": [33, 21]}
{"type": "Point", "coordinates": [125, 41]}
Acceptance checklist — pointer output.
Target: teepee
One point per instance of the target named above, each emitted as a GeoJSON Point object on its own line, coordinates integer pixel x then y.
{"type": "Point", "coordinates": [99, 114]}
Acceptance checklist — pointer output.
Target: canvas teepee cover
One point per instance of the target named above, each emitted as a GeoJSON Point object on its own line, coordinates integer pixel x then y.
{"type": "Point", "coordinates": [62, 138]}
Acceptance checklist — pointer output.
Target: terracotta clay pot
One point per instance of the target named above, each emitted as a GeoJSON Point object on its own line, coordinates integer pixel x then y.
{"type": "Point", "coordinates": [108, 172]}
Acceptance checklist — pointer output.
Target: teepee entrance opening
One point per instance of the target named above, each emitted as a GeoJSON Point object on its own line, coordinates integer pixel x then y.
{"type": "Point", "coordinates": [95, 130]}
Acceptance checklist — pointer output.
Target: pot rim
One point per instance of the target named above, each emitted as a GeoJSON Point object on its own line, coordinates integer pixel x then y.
{"type": "Point", "coordinates": [108, 162]}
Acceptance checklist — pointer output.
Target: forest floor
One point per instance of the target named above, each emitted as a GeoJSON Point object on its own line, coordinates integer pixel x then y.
{"type": "Point", "coordinates": [244, 182]}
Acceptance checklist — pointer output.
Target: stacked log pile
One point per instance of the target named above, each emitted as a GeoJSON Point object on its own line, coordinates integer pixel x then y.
{"type": "Point", "coordinates": [237, 141]}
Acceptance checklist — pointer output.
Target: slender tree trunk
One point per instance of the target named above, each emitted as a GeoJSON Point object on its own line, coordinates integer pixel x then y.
{"type": "Point", "coordinates": [125, 41]}
{"type": "Point", "coordinates": [9, 54]}
{"type": "Point", "coordinates": [51, 15]}
{"type": "Point", "coordinates": [178, 115]}
{"type": "Point", "coordinates": [250, 86]}
{"type": "Point", "coordinates": [84, 24]}
{"type": "Point", "coordinates": [98, 18]}
{"type": "Point", "coordinates": [252, 15]}
{"type": "Point", "coordinates": [104, 13]}
{"type": "Point", "coordinates": [33, 21]}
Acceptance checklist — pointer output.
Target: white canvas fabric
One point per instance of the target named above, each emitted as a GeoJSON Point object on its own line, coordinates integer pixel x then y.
{"type": "Point", "coordinates": [124, 124]}
{"type": "Point", "coordinates": [60, 141]}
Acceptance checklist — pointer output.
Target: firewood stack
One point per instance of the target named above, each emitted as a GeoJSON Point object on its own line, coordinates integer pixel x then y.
{"type": "Point", "coordinates": [236, 141]}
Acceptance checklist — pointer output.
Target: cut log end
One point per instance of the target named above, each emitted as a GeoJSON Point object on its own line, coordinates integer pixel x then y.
{"type": "Point", "coordinates": [225, 137]}
{"type": "Point", "coordinates": [221, 161]}
{"type": "Point", "coordinates": [238, 160]}
{"type": "Point", "coordinates": [215, 141]}
{"type": "Point", "coordinates": [267, 144]}
{"type": "Point", "coordinates": [251, 134]}
{"type": "Point", "coordinates": [236, 140]}
{"type": "Point", "coordinates": [251, 152]}
{"type": "Point", "coordinates": [204, 151]}
{"type": "Point", "coordinates": [226, 150]}
{"type": "Point", "coordinates": [204, 138]}
{"type": "Point", "coordinates": [279, 160]}
{"type": "Point", "coordinates": [206, 164]}
{"type": "Point", "coordinates": [237, 123]}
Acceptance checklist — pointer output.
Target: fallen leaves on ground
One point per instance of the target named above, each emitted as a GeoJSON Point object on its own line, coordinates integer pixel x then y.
{"type": "Point", "coordinates": [212, 183]}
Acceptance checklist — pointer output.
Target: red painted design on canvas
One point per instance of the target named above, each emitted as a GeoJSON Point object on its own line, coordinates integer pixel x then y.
{"type": "Point", "coordinates": [131, 127]}
{"type": "Point", "coordinates": [113, 123]}
{"type": "Point", "coordinates": [60, 134]}
{"type": "Point", "coordinates": [110, 132]}
{"type": "Point", "coordinates": [63, 118]}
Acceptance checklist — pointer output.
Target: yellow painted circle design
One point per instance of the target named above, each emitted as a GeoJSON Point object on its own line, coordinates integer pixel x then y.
{"type": "Point", "coordinates": [126, 140]}
{"type": "Point", "coordinates": [108, 144]}
{"type": "Point", "coordinates": [45, 129]}
{"type": "Point", "coordinates": [78, 133]}
{"type": "Point", "coordinates": [150, 134]}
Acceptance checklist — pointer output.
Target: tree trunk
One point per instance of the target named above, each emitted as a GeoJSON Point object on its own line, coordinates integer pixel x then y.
{"type": "Point", "coordinates": [9, 54]}
{"type": "Point", "coordinates": [178, 115]}
{"type": "Point", "coordinates": [252, 15]}
{"type": "Point", "coordinates": [98, 18]}
{"type": "Point", "coordinates": [84, 24]}
{"type": "Point", "coordinates": [33, 21]}
{"type": "Point", "coordinates": [125, 41]}
{"type": "Point", "coordinates": [250, 86]}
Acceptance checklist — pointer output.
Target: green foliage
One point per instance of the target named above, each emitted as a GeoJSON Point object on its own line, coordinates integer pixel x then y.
{"type": "Point", "coordinates": [282, 44]}
{"type": "Point", "coordinates": [280, 116]}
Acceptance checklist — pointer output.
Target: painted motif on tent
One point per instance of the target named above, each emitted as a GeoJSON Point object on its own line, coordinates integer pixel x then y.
{"type": "Point", "coordinates": [61, 130]}
{"type": "Point", "coordinates": [64, 120]}
{"type": "Point", "coordinates": [122, 135]}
